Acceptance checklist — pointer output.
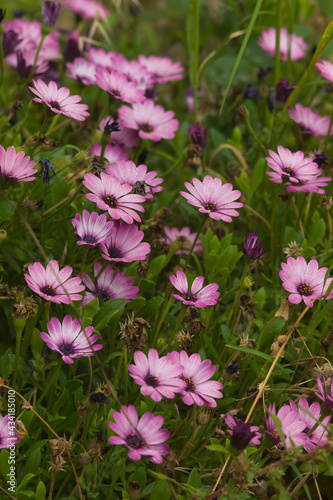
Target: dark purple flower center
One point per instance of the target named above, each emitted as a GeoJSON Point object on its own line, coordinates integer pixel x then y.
{"type": "Point", "coordinates": [151, 380]}
{"type": "Point", "coordinates": [110, 200]}
{"type": "Point", "coordinates": [145, 127]}
{"type": "Point", "coordinates": [103, 296]}
{"type": "Point", "coordinates": [210, 207]}
{"type": "Point", "coordinates": [134, 441]}
{"type": "Point", "coordinates": [290, 171]}
{"type": "Point", "coordinates": [190, 296]}
{"type": "Point", "coordinates": [300, 182]}
{"type": "Point", "coordinates": [115, 93]}
{"type": "Point", "coordinates": [55, 105]}
{"type": "Point", "coordinates": [190, 385]}
{"type": "Point", "coordinates": [89, 239]}
{"type": "Point", "coordinates": [67, 349]}
{"type": "Point", "coordinates": [114, 253]}
{"type": "Point", "coordinates": [305, 289]}
{"type": "Point", "coordinates": [48, 290]}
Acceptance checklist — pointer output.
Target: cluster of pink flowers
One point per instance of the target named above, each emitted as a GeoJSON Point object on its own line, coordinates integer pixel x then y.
{"type": "Point", "coordinates": [176, 373]}
{"type": "Point", "coordinates": [297, 172]}
{"type": "Point", "coordinates": [301, 425]}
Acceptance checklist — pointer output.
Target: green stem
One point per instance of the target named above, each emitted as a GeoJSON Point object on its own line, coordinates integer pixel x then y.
{"type": "Point", "coordinates": [176, 164]}
{"type": "Point", "coordinates": [193, 39]}
{"type": "Point", "coordinates": [160, 323]}
{"type": "Point", "coordinates": [115, 477]}
{"type": "Point", "coordinates": [179, 322]}
{"type": "Point", "coordinates": [277, 42]}
{"type": "Point", "coordinates": [19, 326]}
{"type": "Point", "coordinates": [329, 224]}
{"type": "Point", "coordinates": [84, 258]}
{"type": "Point", "coordinates": [234, 309]}
{"type": "Point", "coordinates": [195, 240]}
{"type": "Point", "coordinates": [52, 383]}
{"type": "Point", "coordinates": [254, 135]}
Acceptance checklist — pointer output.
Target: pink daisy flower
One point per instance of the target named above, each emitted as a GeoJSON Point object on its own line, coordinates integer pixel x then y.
{"type": "Point", "coordinates": [325, 395]}
{"type": "Point", "coordinates": [59, 100]}
{"type": "Point", "coordinates": [25, 62]}
{"type": "Point", "coordinates": [198, 296]}
{"type": "Point", "coordinates": [138, 74]}
{"type": "Point", "coordinates": [309, 186]}
{"type": "Point", "coordinates": [52, 284]}
{"type": "Point", "coordinates": [15, 167]}
{"type": "Point", "coordinates": [125, 244]}
{"type": "Point", "coordinates": [112, 153]}
{"type": "Point", "coordinates": [304, 281]}
{"type": "Point", "coordinates": [69, 339]}
{"type": "Point", "coordinates": [118, 86]}
{"type": "Point", "coordinates": [92, 229]}
{"type": "Point", "coordinates": [141, 181]}
{"type": "Point", "coordinates": [292, 167]}
{"type": "Point", "coordinates": [108, 286]}
{"type": "Point", "coordinates": [8, 436]}
{"type": "Point", "coordinates": [232, 422]}
{"type": "Point", "coordinates": [142, 437]}
{"type": "Point", "coordinates": [100, 58]}
{"type": "Point", "coordinates": [158, 377]}
{"type": "Point", "coordinates": [110, 195]}
{"type": "Point", "coordinates": [291, 42]}
{"type": "Point", "coordinates": [82, 70]}
{"type": "Point", "coordinates": [311, 416]}
{"type": "Point", "coordinates": [199, 389]}
{"type": "Point", "coordinates": [151, 121]}
{"type": "Point", "coordinates": [173, 233]}
{"type": "Point", "coordinates": [126, 137]}
{"type": "Point", "coordinates": [163, 69]}
{"type": "Point", "coordinates": [212, 198]}
{"type": "Point", "coordinates": [326, 69]}
{"type": "Point", "coordinates": [88, 9]}
{"type": "Point", "coordinates": [311, 123]}
{"type": "Point", "coordinates": [291, 425]}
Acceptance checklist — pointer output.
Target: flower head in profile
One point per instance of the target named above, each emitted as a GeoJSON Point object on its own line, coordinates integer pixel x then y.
{"type": "Point", "coordinates": [112, 153]}
{"type": "Point", "coordinates": [291, 425]}
{"type": "Point", "coordinates": [326, 69]}
{"type": "Point", "coordinates": [199, 389]}
{"type": "Point", "coordinates": [91, 228]}
{"type": "Point", "coordinates": [142, 182]}
{"type": "Point", "coordinates": [157, 377]}
{"type": "Point", "coordinates": [88, 9]}
{"type": "Point", "coordinates": [69, 339]}
{"type": "Point", "coordinates": [109, 194]}
{"type": "Point", "coordinates": [288, 42]}
{"type": "Point", "coordinates": [283, 90]}
{"type": "Point", "coordinates": [15, 167]}
{"type": "Point", "coordinates": [198, 296]}
{"type": "Point", "coordinates": [242, 433]}
{"type": "Point", "coordinates": [316, 429]}
{"type": "Point", "coordinates": [163, 68]}
{"type": "Point", "coordinates": [142, 438]}
{"type": "Point", "coordinates": [82, 70]}
{"type": "Point", "coordinates": [212, 198]}
{"type": "Point", "coordinates": [252, 247]}
{"type": "Point", "coordinates": [198, 135]}
{"type": "Point", "coordinates": [117, 85]}
{"type": "Point", "coordinates": [313, 185]}
{"type": "Point", "coordinates": [151, 121]}
{"type": "Point", "coordinates": [52, 284]}
{"type": "Point", "coordinates": [8, 436]}
{"type": "Point", "coordinates": [311, 123]}
{"type": "Point", "coordinates": [107, 285]}
{"type": "Point", "coordinates": [304, 281]}
{"type": "Point", "coordinates": [291, 167]}
{"type": "Point", "coordinates": [324, 394]}
{"type": "Point", "coordinates": [173, 233]}
{"type": "Point", "coordinates": [59, 100]}
{"type": "Point", "coordinates": [125, 244]}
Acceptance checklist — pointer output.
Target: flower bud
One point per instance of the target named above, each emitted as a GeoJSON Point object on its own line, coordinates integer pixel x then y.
{"type": "Point", "coordinates": [50, 12]}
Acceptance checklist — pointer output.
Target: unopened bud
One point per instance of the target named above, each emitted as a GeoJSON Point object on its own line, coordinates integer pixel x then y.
{"type": "Point", "coordinates": [327, 203]}
{"type": "Point", "coordinates": [134, 489]}
{"type": "Point", "coordinates": [242, 114]}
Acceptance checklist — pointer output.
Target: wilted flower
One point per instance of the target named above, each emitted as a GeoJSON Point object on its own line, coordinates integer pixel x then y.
{"type": "Point", "coordinates": [46, 168]}
{"type": "Point", "coordinates": [142, 437]}
{"type": "Point", "coordinates": [252, 247]}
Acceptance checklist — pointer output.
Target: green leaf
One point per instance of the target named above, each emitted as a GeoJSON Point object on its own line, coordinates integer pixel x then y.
{"type": "Point", "coordinates": [150, 307]}
{"type": "Point", "coordinates": [41, 491]}
{"type": "Point", "coordinates": [139, 476]}
{"type": "Point", "coordinates": [161, 491]}
{"type": "Point", "coordinates": [113, 355]}
{"type": "Point", "coordinates": [156, 266]}
{"type": "Point", "coordinates": [110, 310]}
{"type": "Point", "coordinates": [194, 479]}
{"type": "Point", "coordinates": [4, 464]}
{"type": "Point", "coordinates": [258, 174]}
{"type": "Point", "coordinates": [6, 210]}
{"type": "Point", "coordinates": [33, 462]}
{"type": "Point", "coordinates": [73, 385]}
{"type": "Point", "coordinates": [36, 343]}
{"type": "Point", "coordinates": [91, 309]}
{"type": "Point", "coordinates": [146, 285]}
{"type": "Point", "coordinates": [251, 351]}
